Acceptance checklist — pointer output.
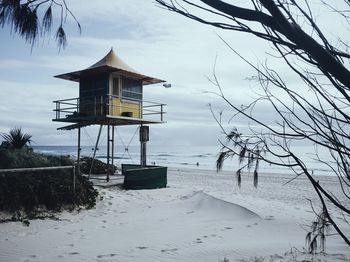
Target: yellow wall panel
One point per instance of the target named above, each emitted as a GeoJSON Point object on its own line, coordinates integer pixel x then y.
{"type": "Point", "coordinates": [118, 107]}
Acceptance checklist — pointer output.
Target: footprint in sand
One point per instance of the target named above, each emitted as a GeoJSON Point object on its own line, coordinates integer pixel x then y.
{"type": "Point", "coordinates": [141, 248]}
{"type": "Point", "coordinates": [198, 241]}
{"type": "Point", "coordinates": [30, 259]}
{"type": "Point", "coordinates": [169, 250]}
{"type": "Point", "coordinates": [73, 253]}
{"type": "Point", "coordinates": [108, 255]}
{"type": "Point", "coordinates": [255, 224]}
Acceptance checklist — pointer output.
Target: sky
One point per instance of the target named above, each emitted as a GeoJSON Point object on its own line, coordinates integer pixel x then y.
{"type": "Point", "coordinates": [151, 40]}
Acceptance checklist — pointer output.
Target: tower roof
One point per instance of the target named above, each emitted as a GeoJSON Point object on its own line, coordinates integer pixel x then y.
{"type": "Point", "coordinates": [110, 63]}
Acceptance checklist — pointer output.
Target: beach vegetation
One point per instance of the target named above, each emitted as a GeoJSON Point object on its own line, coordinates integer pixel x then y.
{"type": "Point", "coordinates": [312, 110]}
{"type": "Point", "coordinates": [32, 19]}
{"type": "Point", "coordinates": [23, 158]}
{"type": "Point", "coordinates": [16, 139]}
{"type": "Point", "coordinates": [316, 237]}
{"type": "Point", "coordinates": [33, 191]}
{"type": "Point", "coordinates": [98, 167]}
{"type": "Point", "coordinates": [27, 192]}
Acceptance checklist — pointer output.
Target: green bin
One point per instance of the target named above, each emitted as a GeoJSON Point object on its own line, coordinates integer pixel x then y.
{"type": "Point", "coordinates": [149, 177]}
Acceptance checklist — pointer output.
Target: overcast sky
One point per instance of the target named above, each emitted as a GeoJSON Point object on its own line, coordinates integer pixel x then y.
{"type": "Point", "coordinates": [151, 40]}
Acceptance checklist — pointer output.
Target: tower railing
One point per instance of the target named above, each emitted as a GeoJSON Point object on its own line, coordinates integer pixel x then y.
{"type": "Point", "coordinates": [108, 105]}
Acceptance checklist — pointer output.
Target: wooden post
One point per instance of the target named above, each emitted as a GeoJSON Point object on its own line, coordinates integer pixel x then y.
{"type": "Point", "coordinates": [113, 149]}
{"type": "Point", "coordinates": [144, 137]}
{"type": "Point", "coordinates": [108, 150]}
{"type": "Point", "coordinates": [78, 162]}
{"type": "Point", "coordinates": [143, 154]}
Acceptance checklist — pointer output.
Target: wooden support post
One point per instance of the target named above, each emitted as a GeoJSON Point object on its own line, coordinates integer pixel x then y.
{"type": "Point", "coordinates": [108, 150]}
{"type": "Point", "coordinates": [78, 154]}
{"type": "Point", "coordinates": [144, 137]}
{"type": "Point", "coordinates": [143, 154]}
{"type": "Point", "coordinates": [113, 149]}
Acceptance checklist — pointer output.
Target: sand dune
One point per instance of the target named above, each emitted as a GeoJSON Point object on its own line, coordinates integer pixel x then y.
{"type": "Point", "coordinates": [217, 208]}
{"type": "Point", "coordinates": [201, 216]}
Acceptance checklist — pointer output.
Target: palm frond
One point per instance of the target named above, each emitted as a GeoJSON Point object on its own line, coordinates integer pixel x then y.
{"type": "Point", "coordinates": [16, 139]}
{"type": "Point", "coordinates": [23, 18]}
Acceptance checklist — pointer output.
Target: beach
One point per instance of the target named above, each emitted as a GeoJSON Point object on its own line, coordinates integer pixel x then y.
{"type": "Point", "coordinates": [201, 216]}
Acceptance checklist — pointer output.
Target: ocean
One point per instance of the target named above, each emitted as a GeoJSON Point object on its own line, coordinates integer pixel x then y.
{"type": "Point", "coordinates": [196, 157]}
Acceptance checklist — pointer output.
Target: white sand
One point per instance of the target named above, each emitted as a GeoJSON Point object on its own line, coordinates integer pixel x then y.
{"type": "Point", "coordinates": [201, 216]}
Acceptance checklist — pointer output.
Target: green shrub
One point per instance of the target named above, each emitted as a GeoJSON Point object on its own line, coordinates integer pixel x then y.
{"type": "Point", "coordinates": [20, 158]}
{"type": "Point", "coordinates": [99, 167]}
{"type": "Point", "coordinates": [16, 139]}
{"type": "Point", "coordinates": [51, 189]}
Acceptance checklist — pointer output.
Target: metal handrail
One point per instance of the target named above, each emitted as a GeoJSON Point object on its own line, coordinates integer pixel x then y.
{"type": "Point", "coordinates": [103, 105]}
{"type": "Point", "coordinates": [67, 99]}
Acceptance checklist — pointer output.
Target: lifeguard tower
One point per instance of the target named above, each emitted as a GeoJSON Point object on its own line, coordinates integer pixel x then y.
{"type": "Point", "coordinates": [110, 94]}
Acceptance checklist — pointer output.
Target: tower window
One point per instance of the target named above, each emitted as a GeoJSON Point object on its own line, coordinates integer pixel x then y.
{"type": "Point", "coordinates": [115, 89]}
{"type": "Point", "coordinates": [131, 89]}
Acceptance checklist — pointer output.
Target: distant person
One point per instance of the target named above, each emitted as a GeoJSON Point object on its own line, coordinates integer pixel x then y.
{"type": "Point", "coordinates": [197, 164]}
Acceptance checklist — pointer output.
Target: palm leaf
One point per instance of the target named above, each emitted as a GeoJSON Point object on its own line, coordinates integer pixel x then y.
{"type": "Point", "coordinates": [16, 139]}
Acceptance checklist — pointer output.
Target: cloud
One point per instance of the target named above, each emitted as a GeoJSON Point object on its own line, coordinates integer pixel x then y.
{"type": "Point", "coordinates": [151, 40]}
